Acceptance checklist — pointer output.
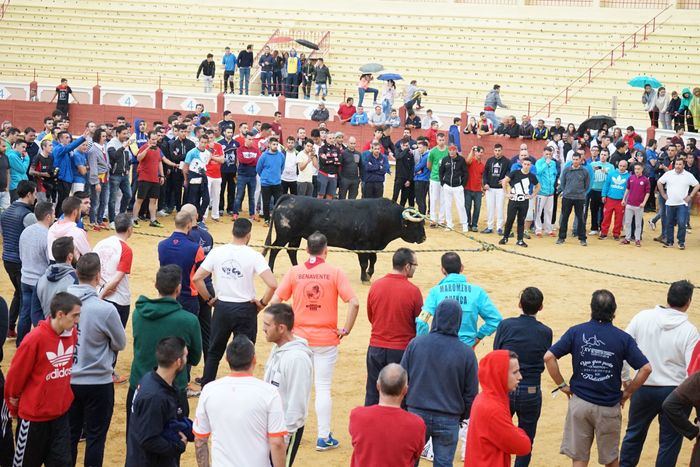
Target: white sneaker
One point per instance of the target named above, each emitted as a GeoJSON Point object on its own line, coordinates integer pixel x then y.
{"type": "Point", "coordinates": [111, 226]}
{"type": "Point", "coordinates": [161, 213]}
{"type": "Point", "coordinates": [652, 225]}
{"type": "Point", "coordinates": [592, 232]}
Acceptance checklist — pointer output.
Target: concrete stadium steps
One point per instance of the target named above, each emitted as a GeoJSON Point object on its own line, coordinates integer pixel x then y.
{"type": "Point", "coordinates": [454, 50]}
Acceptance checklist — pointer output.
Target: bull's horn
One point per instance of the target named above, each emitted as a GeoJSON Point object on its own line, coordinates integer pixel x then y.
{"type": "Point", "coordinates": [412, 215]}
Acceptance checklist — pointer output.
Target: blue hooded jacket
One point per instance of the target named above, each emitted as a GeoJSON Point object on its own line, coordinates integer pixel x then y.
{"type": "Point", "coordinates": [547, 174]}
{"type": "Point", "coordinates": [63, 159]}
{"type": "Point", "coordinates": [615, 185]}
{"type": "Point", "coordinates": [443, 370]}
{"type": "Point", "coordinates": [421, 173]}
{"type": "Point", "coordinates": [475, 303]}
{"type": "Point", "coordinates": [270, 167]}
{"type": "Point", "coordinates": [453, 137]}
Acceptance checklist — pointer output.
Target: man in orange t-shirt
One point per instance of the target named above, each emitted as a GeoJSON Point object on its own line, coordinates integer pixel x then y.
{"type": "Point", "coordinates": [314, 288]}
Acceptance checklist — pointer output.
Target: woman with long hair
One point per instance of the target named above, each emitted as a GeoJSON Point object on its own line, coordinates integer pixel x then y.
{"type": "Point", "coordinates": [388, 95]}
{"type": "Point", "coordinates": [471, 127]}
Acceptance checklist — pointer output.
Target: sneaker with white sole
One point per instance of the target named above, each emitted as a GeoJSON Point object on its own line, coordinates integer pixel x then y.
{"type": "Point", "coordinates": [324, 444]}
{"type": "Point", "coordinates": [592, 233]}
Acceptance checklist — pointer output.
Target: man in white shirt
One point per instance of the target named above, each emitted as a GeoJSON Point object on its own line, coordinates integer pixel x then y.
{"type": "Point", "coordinates": [243, 413]}
{"type": "Point", "coordinates": [233, 268]}
{"type": "Point", "coordinates": [674, 186]}
{"type": "Point", "coordinates": [307, 162]}
{"type": "Point", "coordinates": [289, 369]}
{"type": "Point", "coordinates": [667, 338]}
{"type": "Point", "coordinates": [289, 174]}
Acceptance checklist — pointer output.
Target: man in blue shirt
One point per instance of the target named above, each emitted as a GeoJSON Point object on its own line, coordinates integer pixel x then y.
{"type": "Point", "coordinates": [269, 168]}
{"type": "Point", "coordinates": [62, 159]}
{"type": "Point", "coordinates": [530, 339]}
{"type": "Point", "coordinates": [598, 350]}
{"type": "Point", "coordinates": [229, 62]}
{"type": "Point", "coordinates": [474, 300]}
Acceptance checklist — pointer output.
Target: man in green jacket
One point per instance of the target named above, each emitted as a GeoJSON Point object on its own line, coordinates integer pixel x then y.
{"type": "Point", "coordinates": [156, 319]}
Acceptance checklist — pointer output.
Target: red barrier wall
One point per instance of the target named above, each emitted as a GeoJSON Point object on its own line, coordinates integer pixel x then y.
{"type": "Point", "coordinates": [23, 114]}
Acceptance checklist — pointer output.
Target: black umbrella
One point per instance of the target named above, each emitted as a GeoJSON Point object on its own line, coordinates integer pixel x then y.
{"type": "Point", "coordinates": [596, 123]}
{"type": "Point", "coordinates": [306, 43]}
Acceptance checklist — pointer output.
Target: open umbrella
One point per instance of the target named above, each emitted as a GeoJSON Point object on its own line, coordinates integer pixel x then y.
{"type": "Point", "coordinates": [388, 76]}
{"type": "Point", "coordinates": [371, 68]}
{"type": "Point", "coordinates": [596, 123]}
{"type": "Point", "coordinates": [279, 40]}
{"type": "Point", "coordinates": [306, 43]}
{"type": "Point", "coordinates": [641, 81]}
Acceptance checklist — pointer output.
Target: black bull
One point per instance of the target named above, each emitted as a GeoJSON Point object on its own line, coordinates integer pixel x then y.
{"type": "Point", "coordinates": [363, 224]}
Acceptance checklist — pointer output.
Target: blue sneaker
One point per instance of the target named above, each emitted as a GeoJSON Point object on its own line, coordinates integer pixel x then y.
{"type": "Point", "coordinates": [487, 231]}
{"type": "Point", "coordinates": [326, 444]}
{"type": "Point", "coordinates": [499, 231]}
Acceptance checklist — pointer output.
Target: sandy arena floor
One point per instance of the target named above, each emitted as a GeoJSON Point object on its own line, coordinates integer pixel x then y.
{"type": "Point", "coordinates": [567, 293]}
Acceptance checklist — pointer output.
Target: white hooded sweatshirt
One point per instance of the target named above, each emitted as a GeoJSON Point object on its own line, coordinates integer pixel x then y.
{"type": "Point", "coordinates": [289, 368]}
{"type": "Point", "coordinates": [667, 338]}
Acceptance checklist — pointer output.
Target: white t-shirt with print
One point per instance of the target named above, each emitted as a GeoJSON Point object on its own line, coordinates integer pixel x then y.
{"type": "Point", "coordinates": [233, 269]}
{"type": "Point", "coordinates": [239, 414]}
{"type": "Point", "coordinates": [677, 186]}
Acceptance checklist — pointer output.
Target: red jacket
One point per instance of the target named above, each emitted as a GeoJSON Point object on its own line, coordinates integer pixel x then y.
{"type": "Point", "coordinates": [694, 365]}
{"type": "Point", "coordinates": [39, 374]}
{"type": "Point", "coordinates": [431, 134]}
{"type": "Point", "coordinates": [492, 437]}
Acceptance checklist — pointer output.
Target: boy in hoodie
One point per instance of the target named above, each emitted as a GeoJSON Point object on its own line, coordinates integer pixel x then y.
{"type": "Point", "coordinates": [57, 278]}
{"type": "Point", "coordinates": [41, 366]}
{"type": "Point", "coordinates": [613, 197]}
{"type": "Point", "coordinates": [667, 338]}
{"type": "Point", "coordinates": [492, 437]}
{"type": "Point", "coordinates": [454, 132]}
{"type": "Point", "coordinates": [475, 303]}
{"type": "Point", "coordinates": [150, 440]}
{"type": "Point", "coordinates": [288, 368]}
{"type": "Point", "coordinates": [453, 175]}
{"type": "Point", "coordinates": [100, 337]}
{"type": "Point", "coordinates": [442, 372]}
{"type": "Point", "coordinates": [421, 176]}
{"type": "Point", "coordinates": [158, 318]}
{"type": "Point", "coordinates": [269, 168]}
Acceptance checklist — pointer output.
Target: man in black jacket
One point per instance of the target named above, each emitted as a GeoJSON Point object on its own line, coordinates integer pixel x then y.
{"type": "Point", "coordinates": [156, 435]}
{"type": "Point", "coordinates": [522, 186]}
{"type": "Point", "coordinates": [509, 128]}
{"type": "Point", "coordinates": [403, 181]}
{"type": "Point", "coordinates": [495, 170]}
{"type": "Point", "coordinates": [207, 69]}
{"type": "Point", "coordinates": [453, 176]}
{"type": "Point", "coordinates": [177, 150]}
{"type": "Point", "coordinates": [245, 62]}
{"type": "Point", "coordinates": [349, 171]}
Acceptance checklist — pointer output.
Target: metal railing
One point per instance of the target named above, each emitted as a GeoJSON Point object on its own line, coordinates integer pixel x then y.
{"type": "Point", "coordinates": [600, 66]}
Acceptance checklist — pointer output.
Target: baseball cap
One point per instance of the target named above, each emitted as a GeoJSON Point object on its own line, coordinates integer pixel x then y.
{"type": "Point", "coordinates": [451, 146]}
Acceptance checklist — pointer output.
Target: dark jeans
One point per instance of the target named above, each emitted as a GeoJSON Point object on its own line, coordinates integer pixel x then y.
{"type": "Point", "coordinates": [444, 429]}
{"type": "Point", "coordinates": [421, 193]}
{"type": "Point", "coordinates": [270, 194]}
{"type": "Point", "coordinates": [567, 205]}
{"type": "Point", "coordinates": [228, 180]}
{"type": "Point", "coordinates": [204, 317]}
{"type": "Point", "coordinates": [266, 83]}
{"type": "Point", "coordinates": [198, 195]}
{"type": "Point", "coordinates": [407, 192]}
{"type": "Point", "coordinates": [24, 323]}
{"type": "Point", "coordinates": [526, 403]}
{"type": "Point", "coordinates": [228, 318]}
{"type": "Point", "coordinates": [174, 185]}
{"type": "Point", "coordinates": [348, 188]}
{"type": "Point", "coordinates": [372, 189]}
{"type": "Point", "coordinates": [14, 271]}
{"type": "Point", "coordinates": [645, 406]}
{"type": "Point", "coordinates": [473, 198]}
{"type": "Point", "coordinates": [91, 411]}
{"type": "Point", "coordinates": [243, 182]}
{"type": "Point", "coordinates": [228, 75]}
{"type": "Point", "coordinates": [63, 189]}
{"type": "Point", "coordinates": [289, 187]}
{"type": "Point", "coordinates": [674, 215]}
{"type": "Point", "coordinates": [378, 358]}
{"type": "Point", "coordinates": [595, 208]}
{"type": "Point", "coordinates": [98, 202]}
{"type": "Point", "coordinates": [118, 183]}
{"type": "Point", "coordinates": [516, 209]}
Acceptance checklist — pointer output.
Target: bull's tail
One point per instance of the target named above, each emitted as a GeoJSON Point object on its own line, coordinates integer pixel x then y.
{"type": "Point", "coordinates": [268, 240]}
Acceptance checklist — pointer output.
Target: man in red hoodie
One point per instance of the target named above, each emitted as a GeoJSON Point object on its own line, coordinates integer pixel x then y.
{"type": "Point", "coordinates": [42, 366]}
{"type": "Point", "coordinates": [492, 438]}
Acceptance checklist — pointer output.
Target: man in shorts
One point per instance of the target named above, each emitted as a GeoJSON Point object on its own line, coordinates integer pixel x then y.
{"type": "Point", "coordinates": [328, 168]}
{"type": "Point", "coordinates": [150, 178]}
{"type": "Point", "coordinates": [314, 288]}
{"type": "Point", "coordinates": [598, 350]}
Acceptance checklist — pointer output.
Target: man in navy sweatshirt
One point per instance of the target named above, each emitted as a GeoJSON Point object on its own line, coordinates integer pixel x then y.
{"type": "Point", "coordinates": [442, 371]}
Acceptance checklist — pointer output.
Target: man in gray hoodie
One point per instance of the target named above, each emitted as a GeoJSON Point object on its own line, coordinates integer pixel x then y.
{"type": "Point", "coordinates": [491, 103]}
{"type": "Point", "coordinates": [58, 277]}
{"type": "Point", "coordinates": [574, 183]}
{"type": "Point", "coordinates": [289, 369]}
{"type": "Point", "coordinates": [100, 336]}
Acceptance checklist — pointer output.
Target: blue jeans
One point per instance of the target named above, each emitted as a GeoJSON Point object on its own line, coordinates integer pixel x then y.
{"type": "Point", "coordinates": [243, 182]}
{"type": "Point", "coordinates": [444, 429]}
{"type": "Point", "coordinates": [386, 107]}
{"type": "Point", "coordinates": [24, 322]}
{"type": "Point", "coordinates": [117, 183]}
{"type": "Point", "coordinates": [645, 406]}
{"type": "Point", "coordinates": [362, 93]}
{"type": "Point", "coordinates": [491, 115]}
{"type": "Point", "coordinates": [321, 88]}
{"type": "Point", "coordinates": [528, 406]}
{"type": "Point", "coordinates": [676, 215]}
{"type": "Point", "coordinates": [266, 79]}
{"type": "Point", "coordinates": [473, 197]}
{"type": "Point", "coordinates": [98, 203]}
{"type": "Point", "coordinates": [244, 78]}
